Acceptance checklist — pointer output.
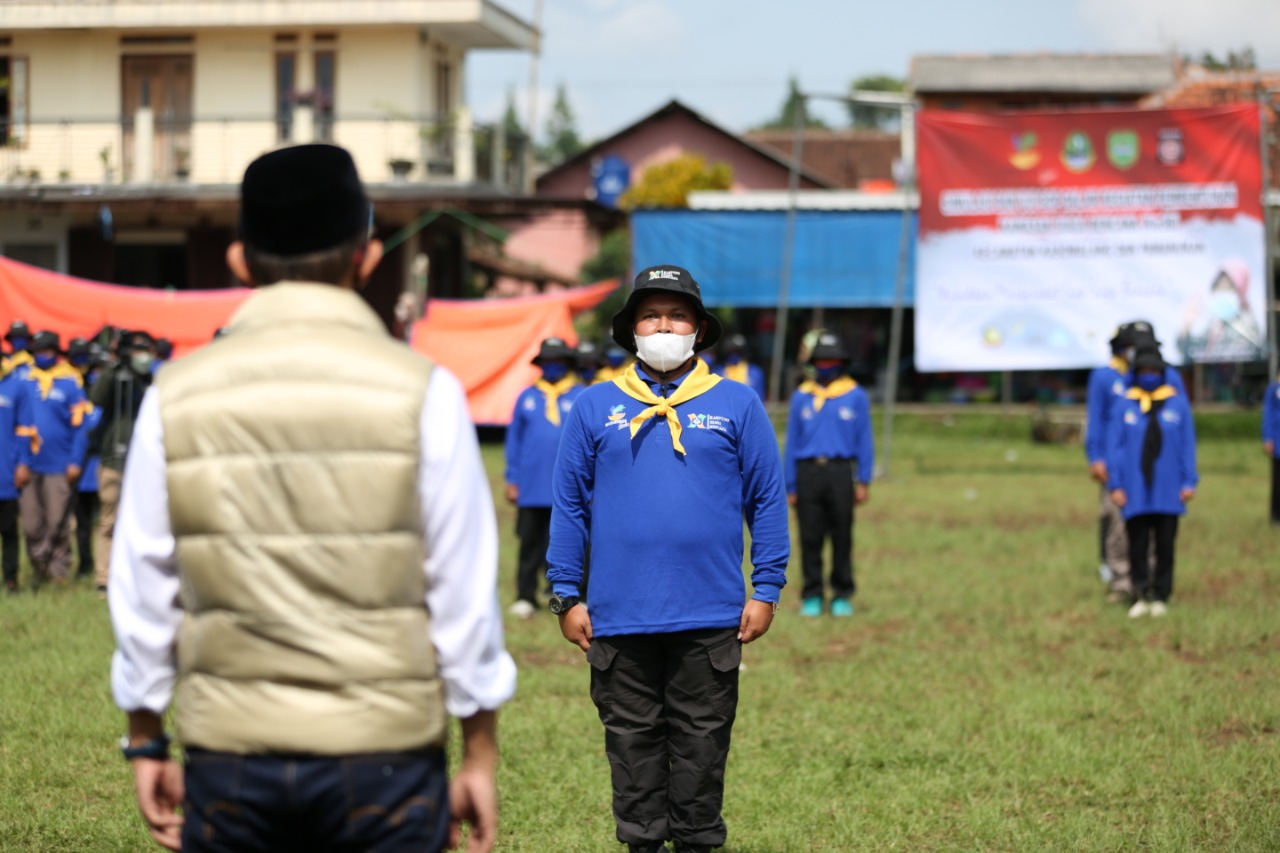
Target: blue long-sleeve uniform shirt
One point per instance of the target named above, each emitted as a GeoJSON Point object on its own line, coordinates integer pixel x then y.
{"type": "Point", "coordinates": [840, 430]}
{"type": "Point", "coordinates": [665, 529]}
{"type": "Point", "coordinates": [1175, 467]}
{"type": "Point", "coordinates": [92, 461]}
{"type": "Point", "coordinates": [531, 444]}
{"type": "Point", "coordinates": [755, 378]}
{"type": "Point", "coordinates": [1271, 418]}
{"type": "Point", "coordinates": [59, 416]}
{"type": "Point", "coordinates": [15, 414]}
{"type": "Point", "coordinates": [1107, 386]}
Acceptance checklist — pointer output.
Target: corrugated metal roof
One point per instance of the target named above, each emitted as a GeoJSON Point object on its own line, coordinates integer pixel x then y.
{"type": "Point", "coordinates": [1044, 72]}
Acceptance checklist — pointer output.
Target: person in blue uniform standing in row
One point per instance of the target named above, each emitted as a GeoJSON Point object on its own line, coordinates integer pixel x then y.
{"type": "Point", "coordinates": [1271, 443]}
{"type": "Point", "coordinates": [1151, 463]}
{"type": "Point", "coordinates": [656, 472]}
{"type": "Point", "coordinates": [829, 461]}
{"type": "Point", "coordinates": [735, 365]}
{"type": "Point", "coordinates": [532, 438]}
{"type": "Point", "coordinates": [17, 426]}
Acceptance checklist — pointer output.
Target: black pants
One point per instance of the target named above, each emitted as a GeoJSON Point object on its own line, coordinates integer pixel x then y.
{"type": "Point", "coordinates": [667, 702]}
{"type": "Point", "coordinates": [1275, 489]}
{"type": "Point", "coordinates": [1141, 529]}
{"type": "Point", "coordinates": [86, 523]}
{"type": "Point", "coordinates": [315, 804]}
{"type": "Point", "coordinates": [9, 541]}
{"type": "Point", "coordinates": [824, 509]}
{"type": "Point", "coordinates": [533, 526]}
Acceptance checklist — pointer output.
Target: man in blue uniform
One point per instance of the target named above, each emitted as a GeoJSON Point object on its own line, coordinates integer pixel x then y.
{"type": "Point", "coordinates": [1107, 387]}
{"type": "Point", "coordinates": [532, 439]}
{"type": "Point", "coordinates": [734, 365]}
{"type": "Point", "coordinates": [19, 338]}
{"type": "Point", "coordinates": [656, 471]}
{"type": "Point", "coordinates": [52, 458]}
{"type": "Point", "coordinates": [830, 460]}
{"type": "Point", "coordinates": [16, 429]}
{"type": "Point", "coordinates": [1271, 443]}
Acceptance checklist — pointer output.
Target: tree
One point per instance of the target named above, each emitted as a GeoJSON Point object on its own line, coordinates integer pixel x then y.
{"type": "Point", "coordinates": [1245, 60]}
{"type": "Point", "coordinates": [669, 184]}
{"type": "Point", "coordinates": [862, 117]}
{"type": "Point", "coordinates": [786, 119]}
{"type": "Point", "coordinates": [562, 135]}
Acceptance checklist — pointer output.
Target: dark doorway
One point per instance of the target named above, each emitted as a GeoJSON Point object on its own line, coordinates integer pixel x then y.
{"type": "Point", "coordinates": [159, 266]}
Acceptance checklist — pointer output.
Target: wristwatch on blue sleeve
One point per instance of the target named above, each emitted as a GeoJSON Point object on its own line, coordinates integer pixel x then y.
{"type": "Point", "coordinates": [561, 604]}
{"type": "Point", "coordinates": [156, 748]}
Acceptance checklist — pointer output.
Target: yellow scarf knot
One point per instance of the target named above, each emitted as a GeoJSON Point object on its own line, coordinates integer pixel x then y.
{"type": "Point", "coordinates": [737, 372]}
{"type": "Point", "coordinates": [698, 382]}
{"type": "Point", "coordinates": [553, 392]}
{"type": "Point", "coordinates": [1164, 392]}
{"type": "Point", "coordinates": [822, 393]}
{"type": "Point", "coordinates": [1119, 365]}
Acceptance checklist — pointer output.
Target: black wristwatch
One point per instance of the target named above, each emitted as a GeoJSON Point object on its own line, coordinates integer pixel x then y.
{"type": "Point", "coordinates": [156, 748]}
{"type": "Point", "coordinates": [560, 604]}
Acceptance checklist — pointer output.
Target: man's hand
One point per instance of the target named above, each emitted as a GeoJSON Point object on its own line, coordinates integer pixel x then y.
{"type": "Point", "coordinates": [791, 499]}
{"type": "Point", "coordinates": [1119, 498]}
{"type": "Point", "coordinates": [757, 616]}
{"type": "Point", "coordinates": [22, 476]}
{"type": "Point", "coordinates": [1186, 494]}
{"type": "Point", "coordinates": [575, 624]}
{"type": "Point", "coordinates": [512, 493]}
{"type": "Point", "coordinates": [473, 793]}
{"type": "Point", "coordinates": [861, 493]}
{"type": "Point", "coordinates": [1098, 471]}
{"type": "Point", "coordinates": [73, 473]}
{"type": "Point", "coordinates": [159, 788]}
{"type": "Point", "coordinates": [1269, 447]}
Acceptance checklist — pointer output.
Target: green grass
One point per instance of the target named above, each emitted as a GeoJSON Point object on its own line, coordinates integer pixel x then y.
{"type": "Point", "coordinates": [984, 697]}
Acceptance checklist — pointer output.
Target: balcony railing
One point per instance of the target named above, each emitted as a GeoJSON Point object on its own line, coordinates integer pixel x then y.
{"type": "Point", "coordinates": [148, 149]}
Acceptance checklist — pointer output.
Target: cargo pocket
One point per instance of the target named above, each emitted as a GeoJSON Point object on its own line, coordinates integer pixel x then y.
{"type": "Point", "coordinates": [600, 657]}
{"type": "Point", "coordinates": [725, 659]}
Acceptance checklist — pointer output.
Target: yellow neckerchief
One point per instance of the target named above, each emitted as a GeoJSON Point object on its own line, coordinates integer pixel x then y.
{"type": "Point", "coordinates": [822, 393]}
{"type": "Point", "coordinates": [736, 372]}
{"type": "Point", "coordinates": [606, 374]}
{"type": "Point", "coordinates": [1164, 392]}
{"type": "Point", "coordinates": [553, 392]}
{"type": "Point", "coordinates": [15, 360]}
{"type": "Point", "coordinates": [697, 382]}
{"type": "Point", "coordinates": [44, 378]}
{"type": "Point", "coordinates": [1119, 365]}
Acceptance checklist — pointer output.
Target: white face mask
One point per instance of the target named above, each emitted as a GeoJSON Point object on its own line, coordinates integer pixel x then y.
{"type": "Point", "coordinates": [663, 351]}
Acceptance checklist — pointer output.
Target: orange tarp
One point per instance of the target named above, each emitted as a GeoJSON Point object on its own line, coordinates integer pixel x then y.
{"type": "Point", "coordinates": [488, 345]}
{"type": "Point", "coordinates": [74, 307]}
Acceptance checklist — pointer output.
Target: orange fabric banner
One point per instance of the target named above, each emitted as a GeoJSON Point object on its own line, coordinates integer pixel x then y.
{"type": "Point", "coordinates": [489, 344]}
{"type": "Point", "coordinates": [74, 307]}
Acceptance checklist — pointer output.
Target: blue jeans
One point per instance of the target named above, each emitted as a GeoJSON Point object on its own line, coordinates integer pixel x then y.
{"type": "Point", "coordinates": [279, 803]}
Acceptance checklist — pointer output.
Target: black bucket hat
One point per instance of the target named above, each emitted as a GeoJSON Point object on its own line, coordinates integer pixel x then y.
{"type": "Point", "coordinates": [828, 347]}
{"type": "Point", "coordinates": [589, 355]}
{"type": "Point", "coordinates": [670, 279]}
{"type": "Point", "coordinates": [46, 340]}
{"type": "Point", "coordinates": [1136, 334]}
{"type": "Point", "coordinates": [554, 349]}
{"type": "Point", "coordinates": [734, 343]}
{"type": "Point", "coordinates": [18, 329]}
{"type": "Point", "coordinates": [1149, 358]}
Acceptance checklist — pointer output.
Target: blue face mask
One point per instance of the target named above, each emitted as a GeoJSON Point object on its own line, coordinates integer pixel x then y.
{"type": "Point", "coordinates": [826, 374]}
{"type": "Point", "coordinates": [1149, 381]}
{"type": "Point", "coordinates": [554, 372]}
{"type": "Point", "coordinates": [45, 360]}
{"type": "Point", "coordinates": [616, 360]}
{"type": "Point", "coordinates": [19, 344]}
{"type": "Point", "coordinates": [587, 373]}
{"type": "Point", "coordinates": [733, 358]}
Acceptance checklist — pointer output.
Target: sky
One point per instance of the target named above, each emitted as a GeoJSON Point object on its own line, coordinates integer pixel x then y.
{"type": "Point", "coordinates": [730, 60]}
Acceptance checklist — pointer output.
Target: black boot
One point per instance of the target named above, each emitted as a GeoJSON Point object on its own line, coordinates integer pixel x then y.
{"type": "Point", "coordinates": [647, 847]}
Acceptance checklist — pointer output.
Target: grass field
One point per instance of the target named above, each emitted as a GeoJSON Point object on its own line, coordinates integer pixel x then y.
{"type": "Point", "coordinates": [983, 698]}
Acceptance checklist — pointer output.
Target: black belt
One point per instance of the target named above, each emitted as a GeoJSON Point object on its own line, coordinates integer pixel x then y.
{"type": "Point", "coordinates": [827, 460]}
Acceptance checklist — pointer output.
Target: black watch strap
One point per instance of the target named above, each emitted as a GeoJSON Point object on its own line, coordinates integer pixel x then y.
{"type": "Point", "coordinates": [157, 748]}
{"type": "Point", "coordinates": [559, 604]}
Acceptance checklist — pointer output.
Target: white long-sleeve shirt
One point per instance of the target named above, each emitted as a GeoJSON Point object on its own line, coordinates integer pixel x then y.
{"type": "Point", "coordinates": [461, 565]}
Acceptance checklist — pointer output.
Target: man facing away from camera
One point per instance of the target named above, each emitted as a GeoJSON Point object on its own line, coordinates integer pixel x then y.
{"type": "Point", "coordinates": [306, 543]}
{"type": "Point", "coordinates": [656, 472]}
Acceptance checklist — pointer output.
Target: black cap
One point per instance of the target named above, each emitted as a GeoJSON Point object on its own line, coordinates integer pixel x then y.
{"type": "Point", "coordinates": [46, 340]}
{"type": "Point", "coordinates": [78, 346]}
{"type": "Point", "coordinates": [553, 349]}
{"type": "Point", "coordinates": [302, 199]}
{"type": "Point", "coordinates": [18, 329]}
{"type": "Point", "coordinates": [130, 341]}
{"type": "Point", "coordinates": [1140, 331]}
{"type": "Point", "coordinates": [589, 355]}
{"type": "Point", "coordinates": [734, 343]}
{"type": "Point", "coordinates": [1148, 358]}
{"type": "Point", "coordinates": [663, 278]}
{"type": "Point", "coordinates": [164, 348]}
{"type": "Point", "coordinates": [828, 347]}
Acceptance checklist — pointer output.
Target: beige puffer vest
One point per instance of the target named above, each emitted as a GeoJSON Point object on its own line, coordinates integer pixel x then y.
{"type": "Point", "coordinates": [292, 447]}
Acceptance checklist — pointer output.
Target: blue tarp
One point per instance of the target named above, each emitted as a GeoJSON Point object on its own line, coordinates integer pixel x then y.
{"type": "Point", "coordinates": [842, 259]}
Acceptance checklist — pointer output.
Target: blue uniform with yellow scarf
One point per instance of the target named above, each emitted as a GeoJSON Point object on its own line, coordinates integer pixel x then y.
{"type": "Point", "coordinates": [743, 371]}
{"type": "Point", "coordinates": [16, 428]}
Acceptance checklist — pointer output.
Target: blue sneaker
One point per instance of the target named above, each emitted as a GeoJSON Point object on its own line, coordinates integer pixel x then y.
{"type": "Point", "coordinates": [812, 607]}
{"type": "Point", "coordinates": [841, 607]}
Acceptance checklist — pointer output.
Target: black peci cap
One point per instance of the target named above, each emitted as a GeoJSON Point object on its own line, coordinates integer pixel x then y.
{"type": "Point", "coordinates": [670, 279]}
{"type": "Point", "coordinates": [302, 199]}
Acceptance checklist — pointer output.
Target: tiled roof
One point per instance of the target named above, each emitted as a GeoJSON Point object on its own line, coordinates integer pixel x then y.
{"type": "Point", "coordinates": [1135, 74]}
{"type": "Point", "coordinates": [846, 158]}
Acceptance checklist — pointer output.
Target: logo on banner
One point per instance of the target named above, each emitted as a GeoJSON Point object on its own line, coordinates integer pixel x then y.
{"type": "Point", "coordinates": [1024, 156]}
{"type": "Point", "coordinates": [1122, 148]}
{"type": "Point", "coordinates": [1169, 148]}
{"type": "Point", "coordinates": [1077, 152]}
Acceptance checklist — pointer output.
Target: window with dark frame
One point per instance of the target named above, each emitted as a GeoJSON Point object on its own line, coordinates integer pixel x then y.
{"type": "Point", "coordinates": [325, 68]}
{"type": "Point", "coordinates": [286, 81]}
